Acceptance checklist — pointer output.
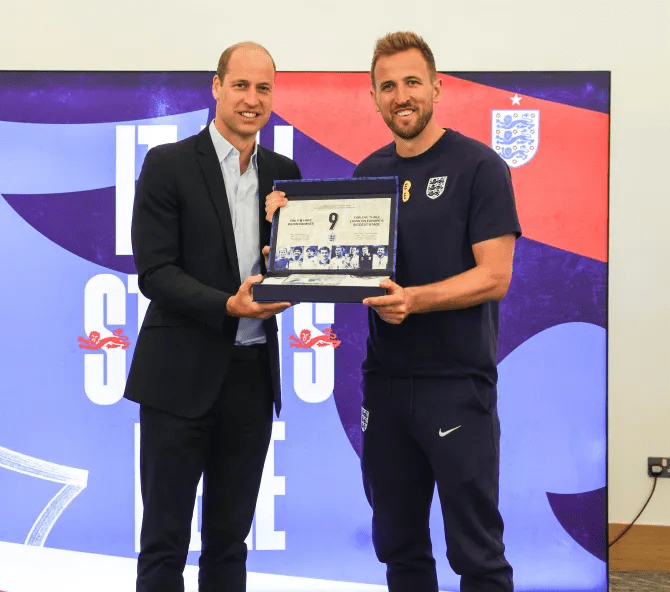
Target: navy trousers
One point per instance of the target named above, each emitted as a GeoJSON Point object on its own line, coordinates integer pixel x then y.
{"type": "Point", "coordinates": [227, 446]}
{"type": "Point", "coordinates": [418, 432]}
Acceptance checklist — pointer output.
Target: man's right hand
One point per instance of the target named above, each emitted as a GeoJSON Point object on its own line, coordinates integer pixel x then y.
{"type": "Point", "coordinates": [273, 201]}
{"type": "Point", "coordinates": [242, 304]}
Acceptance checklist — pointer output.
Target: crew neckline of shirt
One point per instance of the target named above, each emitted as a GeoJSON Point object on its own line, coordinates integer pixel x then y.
{"type": "Point", "coordinates": [426, 153]}
{"type": "Point", "coordinates": [223, 147]}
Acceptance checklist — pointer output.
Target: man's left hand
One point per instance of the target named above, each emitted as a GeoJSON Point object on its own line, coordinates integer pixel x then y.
{"type": "Point", "coordinates": [394, 306]}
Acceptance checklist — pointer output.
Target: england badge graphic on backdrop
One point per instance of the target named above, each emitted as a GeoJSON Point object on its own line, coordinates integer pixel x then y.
{"type": "Point", "coordinates": [515, 135]}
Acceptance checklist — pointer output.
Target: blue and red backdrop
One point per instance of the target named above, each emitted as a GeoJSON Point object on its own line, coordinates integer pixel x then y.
{"type": "Point", "coordinates": [71, 147]}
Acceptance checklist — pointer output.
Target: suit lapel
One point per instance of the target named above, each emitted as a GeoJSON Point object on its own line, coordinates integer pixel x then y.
{"type": "Point", "coordinates": [217, 192]}
{"type": "Point", "coordinates": [266, 173]}
{"type": "Point", "coordinates": [265, 181]}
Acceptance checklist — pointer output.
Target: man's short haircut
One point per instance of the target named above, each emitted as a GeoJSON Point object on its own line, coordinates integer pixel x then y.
{"type": "Point", "coordinates": [394, 43]}
{"type": "Point", "coordinates": [227, 54]}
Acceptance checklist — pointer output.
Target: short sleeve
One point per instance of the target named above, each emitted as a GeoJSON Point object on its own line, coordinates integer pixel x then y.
{"type": "Point", "coordinates": [492, 204]}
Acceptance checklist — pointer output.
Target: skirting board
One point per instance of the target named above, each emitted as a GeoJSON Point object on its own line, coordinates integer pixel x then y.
{"type": "Point", "coordinates": [643, 548]}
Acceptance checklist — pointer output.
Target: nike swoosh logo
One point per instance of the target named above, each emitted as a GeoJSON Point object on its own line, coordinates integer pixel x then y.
{"type": "Point", "coordinates": [443, 434]}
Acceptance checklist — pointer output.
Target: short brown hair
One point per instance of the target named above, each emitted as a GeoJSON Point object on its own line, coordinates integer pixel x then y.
{"type": "Point", "coordinates": [228, 53]}
{"type": "Point", "coordinates": [393, 43]}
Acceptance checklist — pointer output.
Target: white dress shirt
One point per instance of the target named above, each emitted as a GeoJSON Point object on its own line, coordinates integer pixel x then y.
{"type": "Point", "coordinates": [242, 192]}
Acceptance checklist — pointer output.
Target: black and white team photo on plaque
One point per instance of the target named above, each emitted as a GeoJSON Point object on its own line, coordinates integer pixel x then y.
{"type": "Point", "coordinates": [311, 257]}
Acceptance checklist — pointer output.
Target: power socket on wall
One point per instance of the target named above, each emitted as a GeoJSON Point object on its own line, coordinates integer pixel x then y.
{"type": "Point", "coordinates": [658, 466]}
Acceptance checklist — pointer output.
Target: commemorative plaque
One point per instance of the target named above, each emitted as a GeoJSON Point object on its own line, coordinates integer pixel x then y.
{"type": "Point", "coordinates": [335, 241]}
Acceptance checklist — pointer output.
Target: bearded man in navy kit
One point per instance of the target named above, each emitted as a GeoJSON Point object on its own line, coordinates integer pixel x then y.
{"type": "Point", "coordinates": [206, 367]}
{"type": "Point", "coordinates": [429, 377]}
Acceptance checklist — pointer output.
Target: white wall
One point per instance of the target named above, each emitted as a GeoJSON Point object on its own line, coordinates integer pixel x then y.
{"type": "Point", "coordinates": [628, 38]}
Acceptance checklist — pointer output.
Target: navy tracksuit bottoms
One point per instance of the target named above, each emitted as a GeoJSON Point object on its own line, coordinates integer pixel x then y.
{"type": "Point", "coordinates": [422, 431]}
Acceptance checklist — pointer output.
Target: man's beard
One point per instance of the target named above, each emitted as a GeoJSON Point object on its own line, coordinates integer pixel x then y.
{"type": "Point", "coordinates": [411, 132]}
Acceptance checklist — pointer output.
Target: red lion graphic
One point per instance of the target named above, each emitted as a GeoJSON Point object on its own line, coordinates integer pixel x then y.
{"type": "Point", "coordinates": [306, 340]}
{"type": "Point", "coordinates": [94, 341]}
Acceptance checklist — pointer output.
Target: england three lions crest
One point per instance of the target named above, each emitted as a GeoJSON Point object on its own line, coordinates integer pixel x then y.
{"type": "Point", "coordinates": [435, 187]}
{"type": "Point", "coordinates": [515, 135]}
{"type": "Point", "coordinates": [365, 416]}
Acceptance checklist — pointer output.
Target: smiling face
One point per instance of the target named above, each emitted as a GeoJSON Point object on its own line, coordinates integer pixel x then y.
{"type": "Point", "coordinates": [324, 254]}
{"type": "Point", "coordinates": [404, 93]}
{"type": "Point", "coordinates": [381, 251]}
{"type": "Point", "coordinates": [244, 96]}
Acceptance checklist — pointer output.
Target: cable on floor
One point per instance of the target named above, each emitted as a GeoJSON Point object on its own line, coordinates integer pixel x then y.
{"type": "Point", "coordinates": [625, 530]}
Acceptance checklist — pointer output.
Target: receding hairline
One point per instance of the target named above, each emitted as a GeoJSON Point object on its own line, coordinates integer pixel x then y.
{"type": "Point", "coordinates": [227, 54]}
{"type": "Point", "coordinates": [252, 45]}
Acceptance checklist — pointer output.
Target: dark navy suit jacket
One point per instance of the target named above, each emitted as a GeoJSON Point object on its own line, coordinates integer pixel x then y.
{"type": "Point", "coordinates": [185, 255]}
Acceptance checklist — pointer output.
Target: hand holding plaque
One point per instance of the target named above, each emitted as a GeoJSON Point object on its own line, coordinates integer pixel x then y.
{"type": "Point", "coordinates": [323, 236]}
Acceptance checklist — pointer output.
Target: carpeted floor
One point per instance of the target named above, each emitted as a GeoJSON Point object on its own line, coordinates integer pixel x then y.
{"type": "Point", "coordinates": [639, 581]}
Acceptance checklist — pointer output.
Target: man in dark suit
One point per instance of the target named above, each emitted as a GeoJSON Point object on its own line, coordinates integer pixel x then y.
{"type": "Point", "coordinates": [206, 366]}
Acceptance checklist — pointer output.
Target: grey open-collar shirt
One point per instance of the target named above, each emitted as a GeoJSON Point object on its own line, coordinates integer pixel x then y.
{"type": "Point", "coordinates": [242, 191]}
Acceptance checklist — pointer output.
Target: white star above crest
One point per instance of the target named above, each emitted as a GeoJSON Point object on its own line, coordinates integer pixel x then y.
{"type": "Point", "coordinates": [516, 99]}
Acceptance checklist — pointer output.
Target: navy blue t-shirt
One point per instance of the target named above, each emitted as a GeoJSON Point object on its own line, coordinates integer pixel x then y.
{"type": "Point", "coordinates": [457, 193]}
